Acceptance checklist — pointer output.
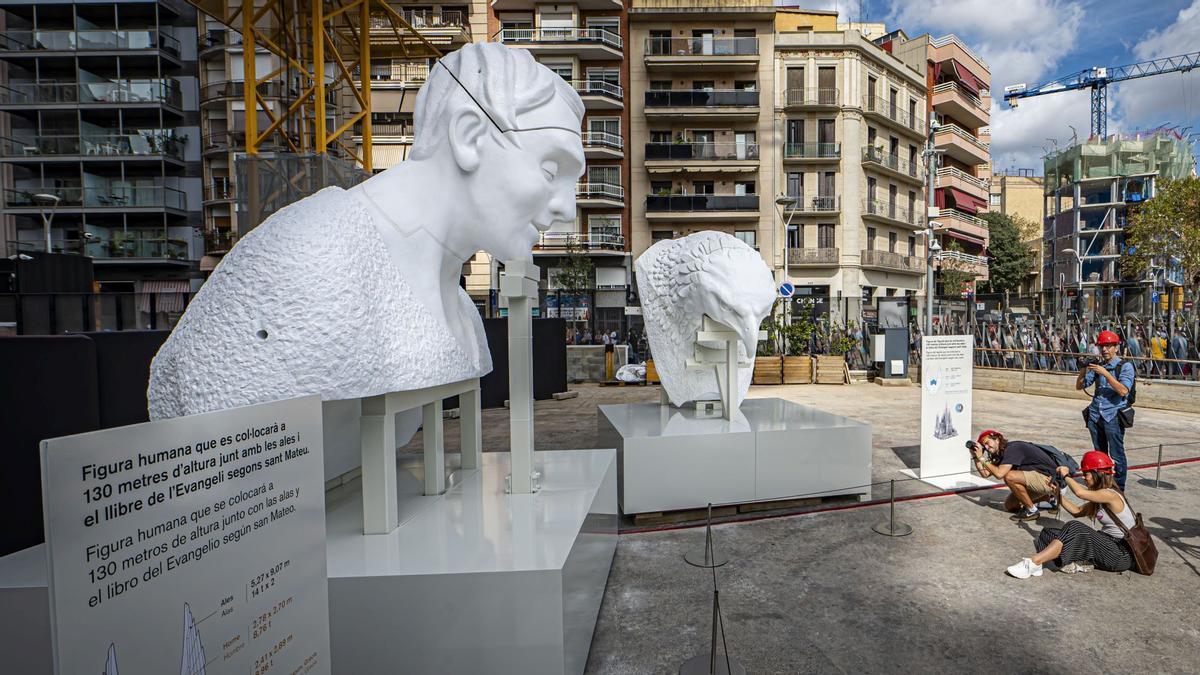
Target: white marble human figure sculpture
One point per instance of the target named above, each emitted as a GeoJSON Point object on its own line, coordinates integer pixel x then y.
{"type": "Point", "coordinates": [355, 293]}
{"type": "Point", "coordinates": [682, 280]}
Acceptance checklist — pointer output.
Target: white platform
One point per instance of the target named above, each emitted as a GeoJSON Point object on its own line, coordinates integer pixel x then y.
{"type": "Point", "coordinates": [669, 458]}
{"type": "Point", "coordinates": [474, 581]}
{"type": "Point", "coordinates": [955, 481]}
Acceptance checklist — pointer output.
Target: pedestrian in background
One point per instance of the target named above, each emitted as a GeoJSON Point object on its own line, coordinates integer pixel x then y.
{"type": "Point", "coordinates": [1113, 378]}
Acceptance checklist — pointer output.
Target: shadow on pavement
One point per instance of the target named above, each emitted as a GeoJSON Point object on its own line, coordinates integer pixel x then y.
{"type": "Point", "coordinates": [909, 454]}
{"type": "Point", "coordinates": [1173, 532]}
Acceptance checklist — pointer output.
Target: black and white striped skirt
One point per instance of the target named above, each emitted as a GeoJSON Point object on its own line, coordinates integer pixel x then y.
{"type": "Point", "coordinates": [1082, 544]}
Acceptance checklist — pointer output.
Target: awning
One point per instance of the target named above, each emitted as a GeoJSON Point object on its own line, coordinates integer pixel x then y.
{"type": "Point", "coordinates": [965, 77]}
{"type": "Point", "coordinates": [961, 236]}
{"type": "Point", "coordinates": [170, 295]}
{"type": "Point", "coordinates": [387, 155]}
{"type": "Point", "coordinates": [963, 201]}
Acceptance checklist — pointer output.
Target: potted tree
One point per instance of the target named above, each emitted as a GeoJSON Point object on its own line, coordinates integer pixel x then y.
{"type": "Point", "coordinates": [797, 363]}
{"type": "Point", "coordinates": [768, 363]}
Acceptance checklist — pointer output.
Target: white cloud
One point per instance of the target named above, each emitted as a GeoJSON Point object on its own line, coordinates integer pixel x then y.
{"type": "Point", "coordinates": [1172, 97]}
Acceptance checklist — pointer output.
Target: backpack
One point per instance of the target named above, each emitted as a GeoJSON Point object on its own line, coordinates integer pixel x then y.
{"type": "Point", "coordinates": [1131, 397]}
{"type": "Point", "coordinates": [1059, 457]}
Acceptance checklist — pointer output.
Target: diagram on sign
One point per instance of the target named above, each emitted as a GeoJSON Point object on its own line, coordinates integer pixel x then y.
{"type": "Point", "coordinates": [193, 649]}
{"type": "Point", "coordinates": [945, 426]}
{"type": "Point", "coordinates": [110, 666]}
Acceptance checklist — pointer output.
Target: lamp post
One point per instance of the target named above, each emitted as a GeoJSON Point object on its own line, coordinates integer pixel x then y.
{"type": "Point", "coordinates": [788, 204]}
{"type": "Point", "coordinates": [931, 255]}
{"type": "Point", "coordinates": [52, 201]}
{"type": "Point", "coordinates": [930, 154]}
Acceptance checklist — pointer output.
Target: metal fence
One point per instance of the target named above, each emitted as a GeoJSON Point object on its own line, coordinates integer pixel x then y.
{"type": "Point", "coordinates": [58, 313]}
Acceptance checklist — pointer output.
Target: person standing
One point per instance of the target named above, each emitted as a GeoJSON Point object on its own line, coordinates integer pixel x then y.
{"type": "Point", "coordinates": [1113, 379]}
{"type": "Point", "coordinates": [1158, 351]}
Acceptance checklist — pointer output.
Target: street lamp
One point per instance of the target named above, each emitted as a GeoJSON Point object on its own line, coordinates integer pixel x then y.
{"type": "Point", "coordinates": [52, 201]}
{"type": "Point", "coordinates": [788, 203]}
{"type": "Point", "coordinates": [931, 254]}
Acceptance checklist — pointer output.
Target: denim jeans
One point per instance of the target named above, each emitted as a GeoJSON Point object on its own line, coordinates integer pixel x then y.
{"type": "Point", "coordinates": [1108, 437]}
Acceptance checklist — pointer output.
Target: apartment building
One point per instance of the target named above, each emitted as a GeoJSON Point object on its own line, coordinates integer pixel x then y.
{"type": "Point", "coordinates": [1019, 193]}
{"type": "Point", "coordinates": [98, 116]}
{"type": "Point", "coordinates": [959, 83]}
{"type": "Point", "coordinates": [851, 129]}
{"type": "Point", "coordinates": [701, 121]}
{"type": "Point", "coordinates": [585, 42]}
{"type": "Point", "coordinates": [1091, 189]}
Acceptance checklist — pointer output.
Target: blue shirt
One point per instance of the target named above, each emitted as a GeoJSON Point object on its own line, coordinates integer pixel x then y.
{"type": "Point", "coordinates": [1105, 401]}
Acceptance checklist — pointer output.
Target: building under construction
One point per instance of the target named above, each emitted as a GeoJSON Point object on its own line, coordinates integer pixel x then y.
{"type": "Point", "coordinates": [1091, 189]}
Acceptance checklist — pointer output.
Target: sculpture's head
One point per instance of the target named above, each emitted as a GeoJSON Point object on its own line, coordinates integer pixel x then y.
{"type": "Point", "coordinates": [736, 288]}
{"type": "Point", "coordinates": [511, 128]}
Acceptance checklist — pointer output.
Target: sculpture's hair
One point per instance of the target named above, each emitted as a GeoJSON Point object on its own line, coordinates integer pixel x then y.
{"type": "Point", "coordinates": [506, 82]}
{"type": "Point", "coordinates": [679, 269]}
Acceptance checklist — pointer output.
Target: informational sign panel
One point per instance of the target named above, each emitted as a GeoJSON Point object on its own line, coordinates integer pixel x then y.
{"type": "Point", "coordinates": [193, 546]}
{"type": "Point", "coordinates": [945, 404]}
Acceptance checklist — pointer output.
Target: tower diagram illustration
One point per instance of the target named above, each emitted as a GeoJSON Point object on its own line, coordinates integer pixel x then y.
{"type": "Point", "coordinates": [110, 665]}
{"type": "Point", "coordinates": [945, 426]}
{"type": "Point", "coordinates": [193, 649]}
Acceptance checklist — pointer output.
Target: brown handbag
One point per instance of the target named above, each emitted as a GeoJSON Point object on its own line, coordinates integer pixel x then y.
{"type": "Point", "coordinates": [1145, 555]}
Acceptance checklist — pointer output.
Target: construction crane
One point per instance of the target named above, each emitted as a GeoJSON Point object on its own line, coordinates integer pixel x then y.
{"type": "Point", "coordinates": [1097, 79]}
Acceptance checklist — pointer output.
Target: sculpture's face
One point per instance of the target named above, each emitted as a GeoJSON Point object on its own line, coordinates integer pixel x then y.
{"type": "Point", "coordinates": [525, 186]}
{"type": "Point", "coordinates": [740, 296]}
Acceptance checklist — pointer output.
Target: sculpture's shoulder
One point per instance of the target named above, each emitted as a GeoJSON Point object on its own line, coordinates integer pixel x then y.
{"type": "Point", "coordinates": [329, 221]}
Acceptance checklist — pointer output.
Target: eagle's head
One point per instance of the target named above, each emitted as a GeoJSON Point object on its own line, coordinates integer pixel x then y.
{"type": "Point", "coordinates": [737, 289]}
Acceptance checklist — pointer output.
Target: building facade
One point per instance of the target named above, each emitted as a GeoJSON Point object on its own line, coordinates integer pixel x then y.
{"type": "Point", "coordinates": [1019, 194]}
{"type": "Point", "coordinates": [98, 110]}
{"type": "Point", "coordinates": [851, 130]}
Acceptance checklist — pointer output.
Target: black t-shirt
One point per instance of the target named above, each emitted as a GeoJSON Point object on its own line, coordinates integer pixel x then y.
{"type": "Point", "coordinates": [1027, 457]}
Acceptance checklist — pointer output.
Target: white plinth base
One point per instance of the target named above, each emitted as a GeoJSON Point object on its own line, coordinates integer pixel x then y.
{"type": "Point", "coordinates": [957, 481]}
{"type": "Point", "coordinates": [477, 581]}
{"type": "Point", "coordinates": [672, 458]}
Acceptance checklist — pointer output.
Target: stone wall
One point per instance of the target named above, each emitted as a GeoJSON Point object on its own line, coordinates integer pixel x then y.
{"type": "Point", "coordinates": [1178, 396]}
{"type": "Point", "coordinates": [585, 363]}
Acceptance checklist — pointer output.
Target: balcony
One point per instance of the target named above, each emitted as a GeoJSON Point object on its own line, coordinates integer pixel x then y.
{"type": "Point", "coordinates": [961, 144]}
{"type": "Point", "coordinates": [819, 205]}
{"type": "Point", "coordinates": [812, 99]}
{"type": "Point", "coordinates": [149, 145]}
{"type": "Point", "coordinates": [88, 40]}
{"type": "Point", "coordinates": [603, 145]}
{"type": "Point", "coordinates": [709, 104]}
{"type": "Point", "coordinates": [708, 53]}
{"type": "Point", "coordinates": [219, 190]}
{"type": "Point", "coordinates": [812, 152]}
{"type": "Point", "coordinates": [592, 242]}
{"type": "Point", "coordinates": [949, 177]}
{"type": "Point", "coordinates": [442, 28]}
{"type": "Point", "coordinates": [585, 43]}
{"type": "Point", "coordinates": [960, 104]}
{"type": "Point", "coordinates": [963, 226]}
{"type": "Point", "coordinates": [890, 213]}
{"type": "Point", "coordinates": [812, 257]}
{"type": "Point", "coordinates": [976, 265]}
{"type": "Point", "coordinates": [675, 157]}
{"type": "Point", "coordinates": [949, 47]}
{"type": "Point", "coordinates": [887, 261]}
{"type": "Point", "coordinates": [702, 207]}
{"type": "Point", "coordinates": [599, 94]}
{"type": "Point", "coordinates": [877, 108]}
{"type": "Point", "coordinates": [395, 74]}
{"type": "Point", "coordinates": [114, 197]}
{"type": "Point", "coordinates": [234, 89]}
{"type": "Point", "coordinates": [892, 165]}
{"type": "Point", "coordinates": [234, 141]}
{"type": "Point", "coordinates": [392, 131]}
{"type": "Point", "coordinates": [166, 91]}
{"type": "Point", "coordinates": [599, 195]}
{"type": "Point", "coordinates": [217, 242]}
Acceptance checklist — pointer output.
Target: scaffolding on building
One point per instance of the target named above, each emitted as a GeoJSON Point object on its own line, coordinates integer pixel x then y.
{"type": "Point", "coordinates": [1161, 153]}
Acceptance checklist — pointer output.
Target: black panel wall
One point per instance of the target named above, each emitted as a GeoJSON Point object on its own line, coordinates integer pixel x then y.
{"type": "Point", "coordinates": [123, 372]}
{"type": "Point", "coordinates": [549, 360]}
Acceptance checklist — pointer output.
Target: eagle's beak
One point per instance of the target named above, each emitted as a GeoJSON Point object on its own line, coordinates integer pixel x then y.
{"type": "Point", "coordinates": [747, 329]}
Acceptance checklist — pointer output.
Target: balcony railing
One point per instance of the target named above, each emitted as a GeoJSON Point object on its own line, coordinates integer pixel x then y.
{"type": "Point", "coordinates": [893, 112]}
{"type": "Point", "coordinates": [599, 191]}
{"type": "Point", "coordinates": [810, 96]}
{"type": "Point", "coordinates": [701, 46]}
{"type": "Point", "coordinates": [83, 40]}
{"type": "Point", "coordinates": [219, 189]}
{"type": "Point", "coordinates": [812, 150]}
{"type": "Point", "coordinates": [965, 258]}
{"type": "Point", "coordinates": [216, 241]}
{"type": "Point", "coordinates": [692, 203]}
{"type": "Point", "coordinates": [98, 197]}
{"type": "Point", "coordinates": [702, 151]}
{"type": "Point", "coordinates": [603, 36]}
{"type": "Point", "coordinates": [812, 256]}
{"type": "Point", "coordinates": [593, 241]}
{"type": "Point", "coordinates": [110, 145]}
{"type": "Point", "coordinates": [890, 210]}
{"type": "Point", "coordinates": [895, 261]}
{"type": "Point", "coordinates": [952, 39]}
{"type": "Point", "coordinates": [112, 91]}
{"type": "Point", "coordinates": [428, 18]}
{"type": "Point", "coordinates": [598, 88]}
{"type": "Point", "coordinates": [396, 71]}
{"type": "Point", "coordinates": [955, 214]}
{"type": "Point", "coordinates": [693, 98]}
{"type": "Point", "coordinates": [388, 129]}
{"type": "Point", "coordinates": [961, 91]}
{"type": "Point", "coordinates": [603, 139]}
{"type": "Point", "coordinates": [962, 133]}
{"type": "Point", "coordinates": [890, 161]}
{"type": "Point", "coordinates": [235, 89]}
{"type": "Point", "coordinates": [951, 172]}
{"type": "Point", "coordinates": [818, 204]}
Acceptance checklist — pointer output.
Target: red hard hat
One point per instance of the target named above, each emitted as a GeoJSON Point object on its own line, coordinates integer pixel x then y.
{"type": "Point", "coordinates": [1094, 460]}
{"type": "Point", "coordinates": [988, 432]}
{"type": "Point", "coordinates": [1107, 337]}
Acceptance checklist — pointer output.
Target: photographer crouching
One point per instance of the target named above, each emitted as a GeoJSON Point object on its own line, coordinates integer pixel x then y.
{"type": "Point", "coordinates": [1024, 467]}
{"type": "Point", "coordinates": [1110, 412]}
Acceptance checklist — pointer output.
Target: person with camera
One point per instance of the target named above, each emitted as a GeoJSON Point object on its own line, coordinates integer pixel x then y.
{"type": "Point", "coordinates": [1113, 378]}
{"type": "Point", "coordinates": [1075, 547]}
{"type": "Point", "coordinates": [1024, 467]}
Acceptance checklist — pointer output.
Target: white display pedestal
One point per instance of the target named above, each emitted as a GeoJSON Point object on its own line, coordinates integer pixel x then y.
{"type": "Point", "coordinates": [478, 581]}
{"type": "Point", "coordinates": [673, 458]}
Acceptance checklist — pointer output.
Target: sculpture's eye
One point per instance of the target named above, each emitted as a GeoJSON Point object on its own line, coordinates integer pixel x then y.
{"type": "Point", "coordinates": [550, 169]}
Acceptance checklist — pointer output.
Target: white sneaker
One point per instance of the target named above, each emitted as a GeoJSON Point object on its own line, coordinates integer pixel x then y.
{"type": "Point", "coordinates": [1077, 568]}
{"type": "Point", "coordinates": [1025, 569]}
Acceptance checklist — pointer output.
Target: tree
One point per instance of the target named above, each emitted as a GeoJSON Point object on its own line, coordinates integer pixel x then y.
{"type": "Point", "coordinates": [952, 273]}
{"type": "Point", "coordinates": [574, 277]}
{"type": "Point", "coordinates": [1165, 232]}
{"type": "Point", "coordinates": [1009, 260]}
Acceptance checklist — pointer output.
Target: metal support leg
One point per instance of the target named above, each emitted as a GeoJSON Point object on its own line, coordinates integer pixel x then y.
{"type": "Point", "coordinates": [435, 452]}
{"type": "Point", "coordinates": [1157, 483]}
{"type": "Point", "coordinates": [470, 429]}
{"type": "Point", "coordinates": [378, 447]}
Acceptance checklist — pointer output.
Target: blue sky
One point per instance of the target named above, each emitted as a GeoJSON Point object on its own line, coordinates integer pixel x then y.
{"type": "Point", "coordinates": [1033, 41]}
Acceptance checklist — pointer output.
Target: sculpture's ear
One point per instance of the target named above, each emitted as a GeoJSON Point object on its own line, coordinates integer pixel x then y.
{"type": "Point", "coordinates": [468, 132]}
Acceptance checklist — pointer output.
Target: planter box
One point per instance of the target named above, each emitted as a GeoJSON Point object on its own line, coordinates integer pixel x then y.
{"type": "Point", "coordinates": [651, 372]}
{"type": "Point", "coordinates": [831, 370]}
{"type": "Point", "coordinates": [768, 370]}
{"type": "Point", "coordinates": [797, 370]}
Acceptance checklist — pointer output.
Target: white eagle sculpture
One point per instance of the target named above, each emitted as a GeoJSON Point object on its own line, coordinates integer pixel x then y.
{"type": "Point", "coordinates": [681, 281]}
